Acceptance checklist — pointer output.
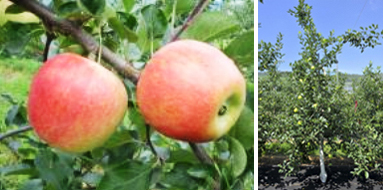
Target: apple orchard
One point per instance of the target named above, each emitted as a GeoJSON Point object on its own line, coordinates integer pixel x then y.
{"type": "Point", "coordinates": [309, 113]}
{"type": "Point", "coordinates": [126, 94]}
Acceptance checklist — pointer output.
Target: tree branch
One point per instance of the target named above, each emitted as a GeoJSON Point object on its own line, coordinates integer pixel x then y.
{"type": "Point", "coordinates": [66, 27]}
{"type": "Point", "coordinates": [15, 132]}
{"type": "Point", "coordinates": [196, 11]}
{"type": "Point", "coordinates": [205, 158]}
{"type": "Point", "coordinates": [201, 154]}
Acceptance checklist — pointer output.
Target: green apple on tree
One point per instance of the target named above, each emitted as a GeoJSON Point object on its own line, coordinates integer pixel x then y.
{"type": "Point", "coordinates": [74, 103]}
{"type": "Point", "coordinates": [191, 91]}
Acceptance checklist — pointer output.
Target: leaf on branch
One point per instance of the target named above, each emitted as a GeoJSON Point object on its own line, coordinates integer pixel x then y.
{"type": "Point", "coordinates": [250, 95]}
{"type": "Point", "coordinates": [122, 31]}
{"type": "Point", "coordinates": [120, 154]}
{"type": "Point", "coordinates": [243, 130]}
{"type": "Point", "coordinates": [55, 169]}
{"type": "Point", "coordinates": [182, 156]}
{"type": "Point", "coordinates": [138, 122]}
{"type": "Point", "coordinates": [128, 20]}
{"type": "Point", "coordinates": [19, 169]}
{"type": "Point", "coordinates": [178, 178]}
{"type": "Point", "coordinates": [155, 21]}
{"type": "Point", "coordinates": [128, 175]}
{"type": "Point", "coordinates": [211, 25]}
{"type": "Point", "coordinates": [69, 9]}
{"type": "Point", "coordinates": [199, 171]}
{"type": "Point", "coordinates": [128, 5]}
{"type": "Point", "coordinates": [16, 115]}
{"type": "Point", "coordinates": [119, 138]}
{"type": "Point", "coordinates": [238, 158]}
{"type": "Point", "coordinates": [241, 49]}
{"type": "Point", "coordinates": [96, 7]}
{"type": "Point", "coordinates": [181, 7]}
{"type": "Point", "coordinates": [14, 9]}
{"type": "Point", "coordinates": [8, 98]}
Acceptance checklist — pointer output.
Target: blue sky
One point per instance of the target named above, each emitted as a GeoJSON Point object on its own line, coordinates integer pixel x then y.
{"type": "Point", "coordinates": [337, 15]}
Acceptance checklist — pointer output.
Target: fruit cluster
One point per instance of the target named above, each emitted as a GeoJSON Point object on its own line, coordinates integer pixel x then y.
{"type": "Point", "coordinates": [188, 91]}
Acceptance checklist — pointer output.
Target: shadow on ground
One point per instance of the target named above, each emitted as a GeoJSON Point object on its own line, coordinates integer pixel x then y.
{"type": "Point", "coordinates": [339, 177]}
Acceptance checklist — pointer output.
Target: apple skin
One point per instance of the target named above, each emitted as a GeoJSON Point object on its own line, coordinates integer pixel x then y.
{"type": "Point", "coordinates": [184, 88]}
{"type": "Point", "coordinates": [75, 104]}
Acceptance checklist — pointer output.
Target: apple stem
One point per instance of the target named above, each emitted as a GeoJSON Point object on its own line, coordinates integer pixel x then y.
{"type": "Point", "coordinates": [15, 132]}
{"type": "Point", "coordinates": [150, 144]}
{"type": "Point", "coordinates": [50, 37]}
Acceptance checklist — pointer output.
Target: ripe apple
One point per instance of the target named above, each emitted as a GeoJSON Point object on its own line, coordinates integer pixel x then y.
{"type": "Point", "coordinates": [191, 91]}
{"type": "Point", "coordinates": [74, 103]}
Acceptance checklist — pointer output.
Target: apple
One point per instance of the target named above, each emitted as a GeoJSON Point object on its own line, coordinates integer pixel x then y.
{"type": "Point", "coordinates": [75, 104]}
{"type": "Point", "coordinates": [191, 91]}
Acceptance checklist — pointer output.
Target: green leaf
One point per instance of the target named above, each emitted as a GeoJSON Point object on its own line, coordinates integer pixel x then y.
{"type": "Point", "coordinates": [55, 169]}
{"type": "Point", "coordinates": [241, 49]}
{"type": "Point", "coordinates": [14, 9]}
{"type": "Point", "coordinates": [128, 5]}
{"type": "Point", "coordinates": [33, 184]}
{"type": "Point", "coordinates": [118, 138]}
{"type": "Point", "coordinates": [238, 157]}
{"type": "Point", "coordinates": [9, 98]}
{"type": "Point", "coordinates": [182, 156]}
{"type": "Point", "coordinates": [95, 7]}
{"type": "Point", "coordinates": [145, 43]}
{"type": "Point", "coordinates": [69, 9]}
{"type": "Point", "coordinates": [250, 95]}
{"type": "Point", "coordinates": [122, 31]}
{"type": "Point", "coordinates": [131, 87]}
{"type": "Point", "coordinates": [16, 115]}
{"type": "Point", "coordinates": [181, 7]}
{"type": "Point", "coordinates": [120, 154]}
{"type": "Point", "coordinates": [111, 42]}
{"type": "Point", "coordinates": [178, 178]}
{"type": "Point", "coordinates": [129, 175]}
{"type": "Point", "coordinates": [155, 21]}
{"type": "Point", "coordinates": [19, 169]}
{"type": "Point", "coordinates": [198, 171]}
{"type": "Point", "coordinates": [243, 130]}
{"type": "Point", "coordinates": [128, 20]}
{"type": "Point", "coordinates": [211, 25]}
{"type": "Point", "coordinates": [138, 122]}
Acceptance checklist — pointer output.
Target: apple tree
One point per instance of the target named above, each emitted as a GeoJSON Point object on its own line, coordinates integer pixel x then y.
{"type": "Point", "coordinates": [365, 120]}
{"type": "Point", "coordinates": [273, 90]}
{"type": "Point", "coordinates": [317, 110]}
{"type": "Point", "coordinates": [123, 36]}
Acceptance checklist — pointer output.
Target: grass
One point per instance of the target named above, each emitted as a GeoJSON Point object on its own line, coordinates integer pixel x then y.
{"type": "Point", "coordinates": [15, 78]}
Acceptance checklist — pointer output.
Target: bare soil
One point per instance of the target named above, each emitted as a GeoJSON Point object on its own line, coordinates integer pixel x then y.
{"type": "Point", "coordinates": [338, 170]}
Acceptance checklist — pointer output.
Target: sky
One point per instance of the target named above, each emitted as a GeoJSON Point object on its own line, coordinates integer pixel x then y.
{"type": "Point", "coordinates": [328, 15]}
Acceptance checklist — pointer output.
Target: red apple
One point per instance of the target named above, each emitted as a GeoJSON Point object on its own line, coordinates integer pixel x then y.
{"type": "Point", "coordinates": [74, 103]}
{"type": "Point", "coordinates": [191, 91]}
